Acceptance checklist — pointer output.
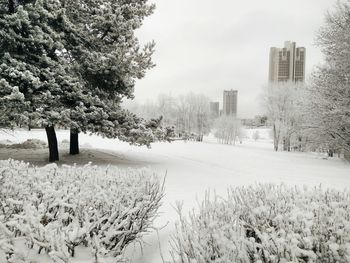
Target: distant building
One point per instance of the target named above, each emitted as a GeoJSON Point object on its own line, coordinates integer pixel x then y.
{"type": "Point", "coordinates": [230, 103]}
{"type": "Point", "coordinates": [287, 64]}
{"type": "Point", "coordinates": [214, 109]}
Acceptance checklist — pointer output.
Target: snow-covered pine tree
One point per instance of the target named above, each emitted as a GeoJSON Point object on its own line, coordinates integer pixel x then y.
{"type": "Point", "coordinates": [33, 77]}
{"type": "Point", "coordinates": [70, 63]}
{"type": "Point", "coordinates": [103, 51]}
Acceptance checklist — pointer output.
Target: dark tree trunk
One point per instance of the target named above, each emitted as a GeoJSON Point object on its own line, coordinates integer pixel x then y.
{"type": "Point", "coordinates": [52, 140]}
{"type": "Point", "coordinates": [285, 144]}
{"type": "Point", "coordinates": [74, 142]}
{"type": "Point", "coordinates": [330, 153]}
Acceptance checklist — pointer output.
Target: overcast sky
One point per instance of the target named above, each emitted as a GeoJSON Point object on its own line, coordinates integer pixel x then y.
{"type": "Point", "coordinates": [207, 46]}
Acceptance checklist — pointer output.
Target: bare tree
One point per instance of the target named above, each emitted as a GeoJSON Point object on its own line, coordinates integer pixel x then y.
{"type": "Point", "coordinates": [328, 97]}
{"type": "Point", "coordinates": [280, 101]}
{"type": "Point", "coordinates": [201, 114]}
{"type": "Point", "coordinates": [228, 130]}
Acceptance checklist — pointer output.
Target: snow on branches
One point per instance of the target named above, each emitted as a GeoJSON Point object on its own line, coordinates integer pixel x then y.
{"type": "Point", "coordinates": [328, 98]}
{"type": "Point", "coordinates": [56, 210]}
{"type": "Point", "coordinates": [70, 64]}
{"type": "Point", "coordinates": [267, 223]}
{"type": "Point", "coordinates": [281, 102]}
{"type": "Point", "coordinates": [228, 129]}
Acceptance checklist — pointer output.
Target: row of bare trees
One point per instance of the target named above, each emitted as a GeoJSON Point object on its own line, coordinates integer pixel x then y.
{"type": "Point", "coordinates": [189, 114]}
{"type": "Point", "coordinates": [228, 130]}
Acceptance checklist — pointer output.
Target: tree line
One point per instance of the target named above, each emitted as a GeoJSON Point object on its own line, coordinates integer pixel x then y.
{"type": "Point", "coordinates": [191, 117]}
{"type": "Point", "coordinates": [189, 114]}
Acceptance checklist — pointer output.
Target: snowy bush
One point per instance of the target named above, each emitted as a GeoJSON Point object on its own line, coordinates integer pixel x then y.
{"type": "Point", "coordinates": [267, 223]}
{"type": "Point", "coordinates": [55, 210]}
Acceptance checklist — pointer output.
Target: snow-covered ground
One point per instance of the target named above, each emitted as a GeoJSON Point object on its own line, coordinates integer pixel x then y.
{"type": "Point", "coordinates": [193, 167]}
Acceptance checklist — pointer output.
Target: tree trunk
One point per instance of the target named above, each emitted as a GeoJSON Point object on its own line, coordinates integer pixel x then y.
{"type": "Point", "coordinates": [330, 153]}
{"type": "Point", "coordinates": [275, 138]}
{"type": "Point", "coordinates": [286, 143]}
{"type": "Point", "coordinates": [74, 142]}
{"type": "Point", "coordinates": [52, 141]}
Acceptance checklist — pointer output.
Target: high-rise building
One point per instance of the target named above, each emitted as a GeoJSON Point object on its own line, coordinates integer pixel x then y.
{"type": "Point", "coordinates": [287, 64]}
{"type": "Point", "coordinates": [230, 102]}
{"type": "Point", "coordinates": [214, 109]}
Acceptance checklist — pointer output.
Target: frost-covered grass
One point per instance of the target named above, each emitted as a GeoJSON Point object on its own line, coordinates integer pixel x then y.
{"type": "Point", "coordinates": [267, 223]}
{"type": "Point", "coordinates": [59, 211]}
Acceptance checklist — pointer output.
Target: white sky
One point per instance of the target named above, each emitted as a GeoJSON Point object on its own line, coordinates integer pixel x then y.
{"type": "Point", "coordinates": [206, 46]}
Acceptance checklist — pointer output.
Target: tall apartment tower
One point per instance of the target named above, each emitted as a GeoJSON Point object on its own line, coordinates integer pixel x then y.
{"type": "Point", "coordinates": [230, 102]}
{"type": "Point", "coordinates": [287, 64]}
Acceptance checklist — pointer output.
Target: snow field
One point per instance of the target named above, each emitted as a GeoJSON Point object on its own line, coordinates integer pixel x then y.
{"type": "Point", "coordinates": [191, 169]}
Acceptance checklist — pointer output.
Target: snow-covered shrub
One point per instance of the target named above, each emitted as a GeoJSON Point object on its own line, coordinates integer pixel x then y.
{"type": "Point", "coordinates": [266, 224]}
{"type": "Point", "coordinates": [58, 209]}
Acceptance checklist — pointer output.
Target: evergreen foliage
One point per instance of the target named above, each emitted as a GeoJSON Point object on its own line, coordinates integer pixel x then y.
{"type": "Point", "coordinates": [69, 63]}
